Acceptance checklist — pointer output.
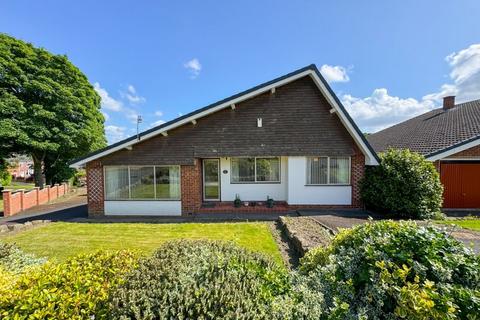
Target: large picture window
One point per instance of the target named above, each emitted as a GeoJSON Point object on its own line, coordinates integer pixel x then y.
{"type": "Point", "coordinates": [252, 170]}
{"type": "Point", "coordinates": [142, 183]}
{"type": "Point", "coordinates": [328, 170]}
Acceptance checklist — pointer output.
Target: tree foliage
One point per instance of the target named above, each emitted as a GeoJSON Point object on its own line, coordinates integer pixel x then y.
{"type": "Point", "coordinates": [405, 184]}
{"type": "Point", "coordinates": [48, 108]}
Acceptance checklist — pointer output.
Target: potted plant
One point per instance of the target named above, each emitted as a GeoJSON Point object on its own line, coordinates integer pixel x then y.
{"type": "Point", "coordinates": [269, 202]}
{"type": "Point", "coordinates": [237, 202]}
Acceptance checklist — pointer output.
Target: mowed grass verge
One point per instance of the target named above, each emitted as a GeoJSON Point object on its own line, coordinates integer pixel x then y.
{"type": "Point", "coordinates": [467, 223]}
{"type": "Point", "coordinates": [61, 240]}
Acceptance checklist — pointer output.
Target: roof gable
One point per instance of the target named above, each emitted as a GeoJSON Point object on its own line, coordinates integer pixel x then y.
{"type": "Point", "coordinates": [311, 71]}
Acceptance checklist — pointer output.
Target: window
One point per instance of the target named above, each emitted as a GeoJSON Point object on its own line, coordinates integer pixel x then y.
{"type": "Point", "coordinates": [142, 183]}
{"type": "Point", "coordinates": [328, 170]}
{"type": "Point", "coordinates": [116, 183]}
{"type": "Point", "coordinates": [168, 182]}
{"type": "Point", "coordinates": [251, 170]}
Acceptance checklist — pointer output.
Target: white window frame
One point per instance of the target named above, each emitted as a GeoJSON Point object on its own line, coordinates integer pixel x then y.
{"type": "Point", "coordinates": [255, 170]}
{"type": "Point", "coordinates": [307, 173]}
{"type": "Point", "coordinates": [130, 185]}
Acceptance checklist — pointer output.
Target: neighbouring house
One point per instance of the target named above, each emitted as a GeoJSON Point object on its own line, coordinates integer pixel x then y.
{"type": "Point", "coordinates": [21, 168]}
{"type": "Point", "coordinates": [448, 136]}
{"type": "Point", "coordinates": [289, 139]}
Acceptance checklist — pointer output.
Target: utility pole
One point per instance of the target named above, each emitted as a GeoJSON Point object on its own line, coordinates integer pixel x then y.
{"type": "Point", "coordinates": [139, 120]}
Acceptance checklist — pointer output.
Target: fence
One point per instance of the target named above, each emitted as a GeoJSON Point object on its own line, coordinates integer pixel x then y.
{"type": "Point", "coordinates": [20, 200]}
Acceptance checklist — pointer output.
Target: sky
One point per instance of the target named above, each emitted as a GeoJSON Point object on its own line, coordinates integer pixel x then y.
{"type": "Point", "coordinates": [386, 60]}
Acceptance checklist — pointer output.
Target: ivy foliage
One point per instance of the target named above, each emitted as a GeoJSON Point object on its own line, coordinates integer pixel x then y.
{"type": "Point", "coordinates": [405, 184]}
{"type": "Point", "coordinates": [48, 109]}
{"type": "Point", "coordinates": [200, 280]}
{"type": "Point", "coordinates": [390, 270]}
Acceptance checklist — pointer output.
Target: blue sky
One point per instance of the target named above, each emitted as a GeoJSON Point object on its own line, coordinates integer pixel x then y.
{"type": "Point", "coordinates": [386, 60]}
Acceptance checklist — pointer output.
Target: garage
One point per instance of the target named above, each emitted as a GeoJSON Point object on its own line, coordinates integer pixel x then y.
{"type": "Point", "coordinates": [461, 181]}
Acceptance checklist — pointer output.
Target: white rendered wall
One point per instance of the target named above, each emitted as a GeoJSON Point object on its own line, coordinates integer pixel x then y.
{"type": "Point", "coordinates": [253, 191]}
{"type": "Point", "coordinates": [299, 193]}
{"type": "Point", "coordinates": [143, 208]}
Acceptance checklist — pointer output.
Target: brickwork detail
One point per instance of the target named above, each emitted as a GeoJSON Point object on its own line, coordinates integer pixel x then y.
{"type": "Point", "coordinates": [18, 201]}
{"type": "Point", "coordinates": [191, 186]}
{"type": "Point", "coordinates": [95, 195]}
{"type": "Point", "coordinates": [469, 153]}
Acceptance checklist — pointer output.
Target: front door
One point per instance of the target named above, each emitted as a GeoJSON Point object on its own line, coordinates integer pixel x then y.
{"type": "Point", "coordinates": [211, 179]}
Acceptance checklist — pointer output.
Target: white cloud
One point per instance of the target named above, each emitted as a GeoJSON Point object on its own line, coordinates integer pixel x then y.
{"type": "Point", "coordinates": [157, 123]}
{"type": "Point", "coordinates": [334, 73]}
{"type": "Point", "coordinates": [132, 96]}
{"type": "Point", "coordinates": [105, 115]}
{"type": "Point", "coordinates": [108, 102]}
{"type": "Point", "coordinates": [131, 115]}
{"type": "Point", "coordinates": [159, 113]}
{"type": "Point", "coordinates": [381, 110]}
{"type": "Point", "coordinates": [194, 67]}
{"type": "Point", "coordinates": [115, 133]}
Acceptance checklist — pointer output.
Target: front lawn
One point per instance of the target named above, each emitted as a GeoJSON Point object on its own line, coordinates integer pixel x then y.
{"type": "Point", "coordinates": [62, 240]}
{"type": "Point", "coordinates": [470, 223]}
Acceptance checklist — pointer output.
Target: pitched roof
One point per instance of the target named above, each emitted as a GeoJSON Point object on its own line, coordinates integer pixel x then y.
{"type": "Point", "coordinates": [433, 132]}
{"type": "Point", "coordinates": [311, 70]}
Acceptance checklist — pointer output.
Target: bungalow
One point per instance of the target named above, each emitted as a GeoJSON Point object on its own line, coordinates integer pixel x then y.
{"type": "Point", "coordinates": [448, 136]}
{"type": "Point", "coordinates": [289, 139]}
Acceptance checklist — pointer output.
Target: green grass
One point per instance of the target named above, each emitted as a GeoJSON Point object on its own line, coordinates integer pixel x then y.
{"type": "Point", "coordinates": [62, 240]}
{"type": "Point", "coordinates": [469, 223]}
{"type": "Point", "coordinates": [20, 185]}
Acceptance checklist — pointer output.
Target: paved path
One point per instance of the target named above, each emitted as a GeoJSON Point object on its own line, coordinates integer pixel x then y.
{"type": "Point", "coordinates": [72, 206]}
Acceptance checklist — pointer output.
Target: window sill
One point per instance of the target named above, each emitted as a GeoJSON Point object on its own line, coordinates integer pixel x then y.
{"type": "Point", "coordinates": [328, 185]}
{"type": "Point", "coordinates": [259, 182]}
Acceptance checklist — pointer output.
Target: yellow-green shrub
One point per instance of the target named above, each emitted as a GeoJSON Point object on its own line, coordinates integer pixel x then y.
{"type": "Point", "coordinates": [76, 289]}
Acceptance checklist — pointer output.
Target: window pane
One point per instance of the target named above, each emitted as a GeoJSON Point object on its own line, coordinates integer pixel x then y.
{"type": "Point", "coordinates": [268, 169]}
{"type": "Point", "coordinates": [339, 170]}
{"type": "Point", "coordinates": [168, 182]}
{"type": "Point", "coordinates": [317, 170]}
{"type": "Point", "coordinates": [141, 183]}
{"type": "Point", "coordinates": [243, 170]}
{"type": "Point", "coordinates": [116, 183]}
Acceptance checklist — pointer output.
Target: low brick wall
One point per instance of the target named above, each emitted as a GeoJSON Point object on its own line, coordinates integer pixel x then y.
{"type": "Point", "coordinates": [20, 200]}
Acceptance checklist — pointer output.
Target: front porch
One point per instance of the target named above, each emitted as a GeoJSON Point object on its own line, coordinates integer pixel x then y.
{"type": "Point", "coordinates": [260, 207]}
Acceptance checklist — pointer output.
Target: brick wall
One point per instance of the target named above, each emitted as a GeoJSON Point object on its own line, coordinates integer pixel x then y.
{"type": "Point", "coordinates": [357, 173]}
{"type": "Point", "coordinates": [191, 186]}
{"type": "Point", "coordinates": [469, 153]}
{"type": "Point", "coordinates": [95, 195]}
{"type": "Point", "coordinates": [17, 201]}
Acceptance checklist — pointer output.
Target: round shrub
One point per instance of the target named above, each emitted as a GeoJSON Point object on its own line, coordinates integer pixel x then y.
{"type": "Point", "coordinates": [76, 289]}
{"type": "Point", "coordinates": [200, 280]}
{"type": "Point", "coordinates": [390, 270]}
{"type": "Point", "coordinates": [405, 184]}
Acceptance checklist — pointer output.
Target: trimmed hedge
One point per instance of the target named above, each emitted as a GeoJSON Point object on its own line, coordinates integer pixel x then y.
{"type": "Point", "coordinates": [405, 184]}
{"type": "Point", "coordinates": [76, 289]}
{"type": "Point", "coordinates": [389, 270]}
{"type": "Point", "coordinates": [201, 280]}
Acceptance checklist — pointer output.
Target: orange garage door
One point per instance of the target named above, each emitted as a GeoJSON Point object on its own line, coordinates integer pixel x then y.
{"type": "Point", "coordinates": [461, 181]}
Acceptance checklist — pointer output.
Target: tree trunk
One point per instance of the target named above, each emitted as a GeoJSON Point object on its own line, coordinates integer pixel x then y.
{"type": "Point", "coordinates": [37, 171]}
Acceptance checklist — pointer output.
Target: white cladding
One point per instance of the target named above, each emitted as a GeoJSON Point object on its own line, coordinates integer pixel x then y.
{"type": "Point", "coordinates": [143, 208]}
{"type": "Point", "coordinates": [300, 193]}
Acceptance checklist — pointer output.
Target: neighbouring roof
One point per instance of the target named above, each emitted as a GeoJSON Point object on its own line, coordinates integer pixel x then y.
{"type": "Point", "coordinates": [311, 70]}
{"type": "Point", "coordinates": [434, 133]}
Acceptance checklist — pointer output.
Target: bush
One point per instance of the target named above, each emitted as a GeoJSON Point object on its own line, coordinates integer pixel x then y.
{"type": "Point", "coordinates": [404, 183]}
{"type": "Point", "coordinates": [5, 176]}
{"type": "Point", "coordinates": [389, 270]}
{"type": "Point", "coordinates": [14, 260]}
{"type": "Point", "coordinates": [76, 289]}
{"type": "Point", "coordinates": [200, 280]}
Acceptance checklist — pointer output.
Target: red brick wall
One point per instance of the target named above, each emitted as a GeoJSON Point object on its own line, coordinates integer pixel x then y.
{"type": "Point", "coordinates": [52, 192]}
{"type": "Point", "coordinates": [357, 173]}
{"type": "Point", "coordinates": [95, 195]}
{"type": "Point", "coordinates": [469, 153]}
{"type": "Point", "coordinates": [43, 196]}
{"type": "Point", "coordinates": [30, 199]}
{"type": "Point", "coordinates": [191, 186]}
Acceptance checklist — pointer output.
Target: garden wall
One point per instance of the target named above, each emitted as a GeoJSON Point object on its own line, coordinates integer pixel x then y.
{"type": "Point", "coordinates": [20, 200]}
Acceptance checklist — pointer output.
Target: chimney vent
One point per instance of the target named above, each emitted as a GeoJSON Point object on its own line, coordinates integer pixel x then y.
{"type": "Point", "coordinates": [448, 102]}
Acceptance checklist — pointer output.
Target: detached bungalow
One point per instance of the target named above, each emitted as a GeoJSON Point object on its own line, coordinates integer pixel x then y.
{"type": "Point", "coordinates": [448, 136]}
{"type": "Point", "coordinates": [289, 139]}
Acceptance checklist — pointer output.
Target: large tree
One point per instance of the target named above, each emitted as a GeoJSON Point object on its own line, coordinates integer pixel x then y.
{"type": "Point", "coordinates": [48, 109]}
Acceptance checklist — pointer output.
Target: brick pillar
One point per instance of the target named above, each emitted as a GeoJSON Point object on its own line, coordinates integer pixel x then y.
{"type": "Point", "coordinates": [358, 171]}
{"type": "Point", "coordinates": [191, 185]}
{"type": "Point", "coordinates": [21, 195]}
{"type": "Point", "coordinates": [95, 194]}
{"type": "Point", "coordinates": [7, 198]}
{"type": "Point", "coordinates": [37, 200]}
